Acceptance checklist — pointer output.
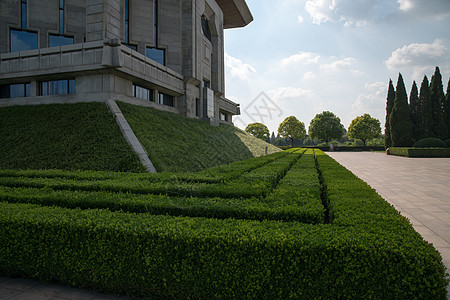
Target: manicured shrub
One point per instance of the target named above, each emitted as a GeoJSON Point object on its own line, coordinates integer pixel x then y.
{"type": "Point", "coordinates": [447, 143]}
{"type": "Point", "coordinates": [430, 143]}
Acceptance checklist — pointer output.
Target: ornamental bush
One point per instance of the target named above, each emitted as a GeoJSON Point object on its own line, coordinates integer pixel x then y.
{"type": "Point", "coordinates": [430, 143]}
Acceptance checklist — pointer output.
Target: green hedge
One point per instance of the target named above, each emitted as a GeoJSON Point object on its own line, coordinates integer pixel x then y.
{"type": "Point", "coordinates": [176, 257]}
{"type": "Point", "coordinates": [420, 152]}
{"type": "Point", "coordinates": [178, 246]}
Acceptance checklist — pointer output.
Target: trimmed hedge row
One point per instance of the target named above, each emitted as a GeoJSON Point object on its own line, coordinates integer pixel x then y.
{"type": "Point", "coordinates": [420, 152]}
{"type": "Point", "coordinates": [367, 251]}
{"type": "Point", "coordinates": [178, 257]}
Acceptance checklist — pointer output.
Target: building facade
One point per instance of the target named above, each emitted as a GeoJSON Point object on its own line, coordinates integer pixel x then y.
{"type": "Point", "coordinates": [167, 54]}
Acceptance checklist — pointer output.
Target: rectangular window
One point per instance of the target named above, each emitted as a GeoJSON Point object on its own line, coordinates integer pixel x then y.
{"type": "Point", "coordinates": [58, 87]}
{"type": "Point", "coordinates": [59, 40]}
{"type": "Point", "coordinates": [155, 23]}
{"type": "Point", "coordinates": [165, 99]}
{"type": "Point", "coordinates": [15, 90]}
{"type": "Point", "coordinates": [23, 7]}
{"type": "Point", "coordinates": [61, 17]}
{"type": "Point", "coordinates": [223, 116]}
{"type": "Point", "coordinates": [23, 40]}
{"type": "Point", "coordinates": [205, 28]}
{"type": "Point", "coordinates": [142, 93]}
{"type": "Point", "coordinates": [197, 107]}
{"type": "Point", "coordinates": [156, 54]}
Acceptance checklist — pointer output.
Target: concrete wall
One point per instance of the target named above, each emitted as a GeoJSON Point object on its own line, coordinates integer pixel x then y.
{"type": "Point", "coordinates": [103, 67]}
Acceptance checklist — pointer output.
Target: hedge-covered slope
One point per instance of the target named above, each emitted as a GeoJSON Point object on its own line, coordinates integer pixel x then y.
{"type": "Point", "coordinates": [291, 225]}
{"type": "Point", "coordinates": [176, 143]}
{"type": "Point", "coordinates": [81, 136]}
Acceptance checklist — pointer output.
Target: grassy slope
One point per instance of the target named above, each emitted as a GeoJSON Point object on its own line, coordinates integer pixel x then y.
{"type": "Point", "coordinates": [180, 144]}
{"type": "Point", "coordinates": [71, 136]}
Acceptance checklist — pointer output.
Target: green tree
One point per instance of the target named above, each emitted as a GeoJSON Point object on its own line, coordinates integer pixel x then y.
{"type": "Point", "coordinates": [438, 124]}
{"type": "Point", "coordinates": [389, 105]}
{"type": "Point", "coordinates": [424, 130]}
{"type": "Point", "coordinates": [416, 114]}
{"type": "Point", "coordinates": [258, 130]}
{"type": "Point", "coordinates": [292, 128]}
{"type": "Point", "coordinates": [326, 126]}
{"type": "Point", "coordinates": [447, 108]}
{"type": "Point", "coordinates": [364, 128]}
{"type": "Point", "coordinates": [400, 118]}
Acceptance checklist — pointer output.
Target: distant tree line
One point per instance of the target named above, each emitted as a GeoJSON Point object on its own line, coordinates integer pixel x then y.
{"type": "Point", "coordinates": [326, 127]}
{"type": "Point", "coordinates": [427, 115]}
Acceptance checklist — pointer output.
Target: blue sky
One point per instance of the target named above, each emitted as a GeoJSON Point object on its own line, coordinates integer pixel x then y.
{"type": "Point", "coordinates": [301, 57]}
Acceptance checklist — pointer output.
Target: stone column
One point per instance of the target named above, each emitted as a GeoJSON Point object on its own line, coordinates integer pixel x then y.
{"type": "Point", "coordinates": [102, 20]}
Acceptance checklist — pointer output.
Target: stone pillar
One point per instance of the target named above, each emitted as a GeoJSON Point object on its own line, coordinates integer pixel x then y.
{"type": "Point", "coordinates": [102, 20]}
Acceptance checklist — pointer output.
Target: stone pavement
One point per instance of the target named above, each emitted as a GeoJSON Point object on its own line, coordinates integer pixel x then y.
{"type": "Point", "coordinates": [419, 188]}
{"type": "Point", "coordinates": [28, 289]}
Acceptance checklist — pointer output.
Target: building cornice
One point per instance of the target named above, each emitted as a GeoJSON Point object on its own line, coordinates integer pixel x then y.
{"type": "Point", "coordinates": [235, 13]}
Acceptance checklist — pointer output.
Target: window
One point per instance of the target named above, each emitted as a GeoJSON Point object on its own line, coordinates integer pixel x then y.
{"type": "Point", "coordinates": [142, 93]}
{"type": "Point", "coordinates": [23, 40]}
{"type": "Point", "coordinates": [155, 53]}
{"type": "Point", "coordinates": [165, 99]}
{"type": "Point", "coordinates": [127, 26]}
{"type": "Point", "coordinates": [223, 116]}
{"type": "Point", "coordinates": [57, 87]}
{"type": "Point", "coordinates": [15, 90]}
{"type": "Point", "coordinates": [205, 28]}
{"type": "Point", "coordinates": [59, 40]}
{"type": "Point", "coordinates": [197, 107]}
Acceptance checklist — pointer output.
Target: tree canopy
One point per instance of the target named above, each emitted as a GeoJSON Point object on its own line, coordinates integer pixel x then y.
{"type": "Point", "coordinates": [439, 122]}
{"type": "Point", "coordinates": [326, 126]}
{"type": "Point", "coordinates": [400, 118]}
{"type": "Point", "coordinates": [364, 127]}
{"type": "Point", "coordinates": [389, 105]}
{"type": "Point", "coordinates": [258, 130]}
{"type": "Point", "coordinates": [292, 128]}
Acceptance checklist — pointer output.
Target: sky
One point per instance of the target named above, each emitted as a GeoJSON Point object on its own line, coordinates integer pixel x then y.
{"type": "Point", "coordinates": [302, 57]}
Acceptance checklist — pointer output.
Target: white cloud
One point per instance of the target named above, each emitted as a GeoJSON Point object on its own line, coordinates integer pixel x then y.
{"type": "Point", "coordinates": [405, 5]}
{"type": "Point", "coordinates": [290, 93]}
{"type": "Point", "coordinates": [300, 19]}
{"type": "Point", "coordinates": [417, 59]}
{"type": "Point", "coordinates": [304, 58]}
{"type": "Point", "coordinates": [238, 68]}
{"type": "Point", "coordinates": [321, 11]}
{"type": "Point", "coordinates": [338, 65]}
{"type": "Point", "coordinates": [309, 75]}
{"type": "Point", "coordinates": [417, 54]}
{"type": "Point", "coordinates": [372, 101]}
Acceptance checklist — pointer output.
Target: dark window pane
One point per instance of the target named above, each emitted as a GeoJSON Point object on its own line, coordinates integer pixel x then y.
{"type": "Point", "coordinates": [165, 99]}
{"type": "Point", "coordinates": [23, 40]}
{"type": "Point", "coordinates": [15, 90]}
{"type": "Point", "coordinates": [157, 55]}
{"type": "Point", "coordinates": [61, 21]}
{"type": "Point", "coordinates": [4, 91]}
{"type": "Point", "coordinates": [126, 32]}
{"type": "Point", "coordinates": [59, 40]}
{"type": "Point", "coordinates": [205, 28]}
{"type": "Point", "coordinates": [27, 90]}
{"type": "Point", "coordinates": [61, 4]}
{"type": "Point", "coordinates": [127, 4]}
{"type": "Point", "coordinates": [72, 86]}
{"type": "Point", "coordinates": [133, 47]}
{"type": "Point", "coordinates": [24, 15]}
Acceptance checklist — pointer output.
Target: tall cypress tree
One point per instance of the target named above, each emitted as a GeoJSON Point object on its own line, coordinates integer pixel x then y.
{"type": "Point", "coordinates": [416, 114]}
{"type": "Point", "coordinates": [425, 107]}
{"type": "Point", "coordinates": [389, 105]}
{"type": "Point", "coordinates": [447, 108]}
{"type": "Point", "coordinates": [400, 118]}
{"type": "Point", "coordinates": [438, 125]}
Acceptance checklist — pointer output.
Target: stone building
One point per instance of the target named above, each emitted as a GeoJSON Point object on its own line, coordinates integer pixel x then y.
{"type": "Point", "coordinates": [167, 54]}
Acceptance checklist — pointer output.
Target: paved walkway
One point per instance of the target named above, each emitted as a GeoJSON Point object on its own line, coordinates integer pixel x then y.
{"type": "Point", "coordinates": [419, 188]}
